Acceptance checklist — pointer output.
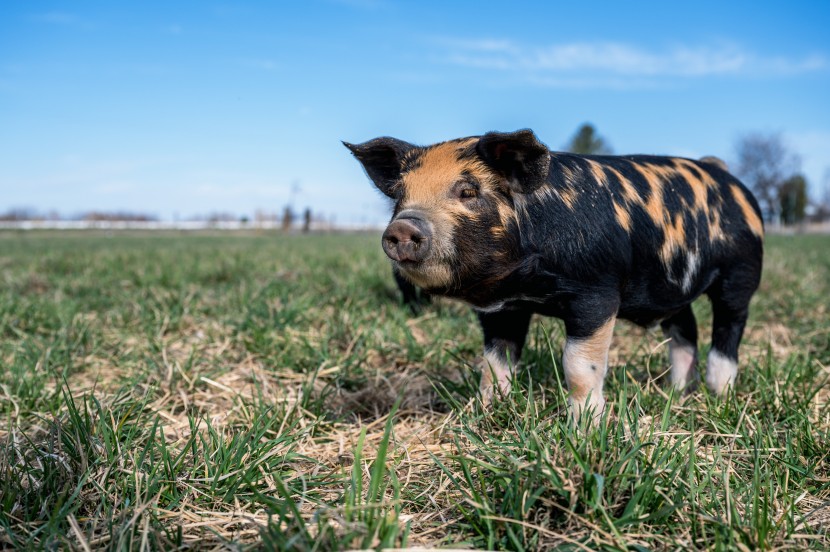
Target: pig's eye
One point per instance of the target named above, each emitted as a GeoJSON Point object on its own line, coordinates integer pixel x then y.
{"type": "Point", "coordinates": [468, 193]}
{"type": "Point", "coordinates": [465, 189]}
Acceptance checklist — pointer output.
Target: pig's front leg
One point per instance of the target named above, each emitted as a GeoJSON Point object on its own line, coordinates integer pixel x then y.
{"type": "Point", "coordinates": [585, 360]}
{"type": "Point", "coordinates": [504, 337]}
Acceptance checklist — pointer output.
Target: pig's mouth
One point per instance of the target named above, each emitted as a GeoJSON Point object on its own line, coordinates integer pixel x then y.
{"type": "Point", "coordinates": [428, 275]}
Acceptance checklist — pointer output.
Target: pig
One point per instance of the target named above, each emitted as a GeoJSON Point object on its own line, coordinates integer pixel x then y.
{"type": "Point", "coordinates": [512, 228]}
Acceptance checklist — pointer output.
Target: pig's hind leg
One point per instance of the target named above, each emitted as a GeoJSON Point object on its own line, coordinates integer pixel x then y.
{"type": "Point", "coordinates": [681, 327]}
{"type": "Point", "coordinates": [730, 296]}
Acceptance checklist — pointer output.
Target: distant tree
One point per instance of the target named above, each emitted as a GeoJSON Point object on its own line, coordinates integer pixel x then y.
{"type": "Point", "coordinates": [219, 216]}
{"type": "Point", "coordinates": [287, 218]}
{"type": "Point", "coordinates": [792, 198]}
{"type": "Point", "coordinates": [307, 220]}
{"type": "Point", "coordinates": [764, 164]}
{"type": "Point", "coordinates": [107, 216]}
{"type": "Point", "coordinates": [586, 141]}
{"type": "Point", "coordinates": [823, 210]}
{"type": "Point", "coordinates": [19, 213]}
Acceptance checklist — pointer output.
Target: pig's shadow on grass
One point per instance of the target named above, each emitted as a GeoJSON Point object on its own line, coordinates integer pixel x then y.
{"type": "Point", "coordinates": [410, 297]}
{"type": "Point", "coordinates": [420, 393]}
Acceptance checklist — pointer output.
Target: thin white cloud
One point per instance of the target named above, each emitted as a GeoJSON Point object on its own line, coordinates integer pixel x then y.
{"type": "Point", "coordinates": [784, 66]}
{"type": "Point", "coordinates": [610, 82]}
{"type": "Point", "coordinates": [558, 64]}
{"type": "Point", "coordinates": [623, 59]}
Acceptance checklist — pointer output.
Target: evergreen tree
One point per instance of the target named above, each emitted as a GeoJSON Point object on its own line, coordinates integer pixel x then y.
{"type": "Point", "coordinates": [586, 141]}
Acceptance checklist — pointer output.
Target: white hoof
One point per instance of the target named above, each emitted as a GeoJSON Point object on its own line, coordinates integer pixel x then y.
{"type": "Point", "coordinates": [720, 372]}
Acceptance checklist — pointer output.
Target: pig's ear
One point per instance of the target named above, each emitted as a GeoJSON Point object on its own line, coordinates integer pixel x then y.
{"type": "Point", "coordinates": [382, 159]}
{"type": "Point", "coordinates": [519, 156]}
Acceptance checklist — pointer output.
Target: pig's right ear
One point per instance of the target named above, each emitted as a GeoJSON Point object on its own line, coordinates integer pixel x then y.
{"type": "Point", "coordinates": [519, 156]}
{"type": "Point", "coordinates": [382, 159]}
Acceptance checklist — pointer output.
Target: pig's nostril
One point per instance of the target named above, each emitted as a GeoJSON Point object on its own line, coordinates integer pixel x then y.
{"type": "Point", "coordinates": [405, 241]}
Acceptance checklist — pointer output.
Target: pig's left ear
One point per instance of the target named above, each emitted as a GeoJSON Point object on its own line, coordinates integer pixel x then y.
{"type": "Point", "coordinates": [519, 156]}
{"type": "Point", "coordinates": [382, 159]}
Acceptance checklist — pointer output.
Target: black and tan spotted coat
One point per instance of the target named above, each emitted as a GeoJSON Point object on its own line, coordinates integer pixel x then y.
{"type": "Point", "coordinates": [508, 226]}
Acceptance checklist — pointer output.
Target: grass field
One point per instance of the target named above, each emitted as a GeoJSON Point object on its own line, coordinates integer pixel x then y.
{"type": "Point", "coordinates": [168, 391]}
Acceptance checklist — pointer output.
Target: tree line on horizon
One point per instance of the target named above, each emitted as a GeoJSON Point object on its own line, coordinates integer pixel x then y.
{"type": "Point", "coordinates": [764, 162]}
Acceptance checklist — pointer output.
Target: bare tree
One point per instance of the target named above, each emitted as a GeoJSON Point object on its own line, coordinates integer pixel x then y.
{"type": "Point", "coordinates": [764, 164]}
{"type": "Point", "coordinates": [586, 141]}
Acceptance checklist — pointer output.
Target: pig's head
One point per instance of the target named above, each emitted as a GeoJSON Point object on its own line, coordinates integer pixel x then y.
{"type": "Point", "coordinates": [454, 223]}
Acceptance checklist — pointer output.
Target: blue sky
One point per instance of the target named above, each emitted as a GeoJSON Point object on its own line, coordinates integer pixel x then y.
{"type": "Point", "coordinates": [184, 108]}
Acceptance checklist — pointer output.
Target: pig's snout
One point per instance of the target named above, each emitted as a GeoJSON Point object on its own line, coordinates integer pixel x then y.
{"type": "Point", "coordinates": [407, 239]}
